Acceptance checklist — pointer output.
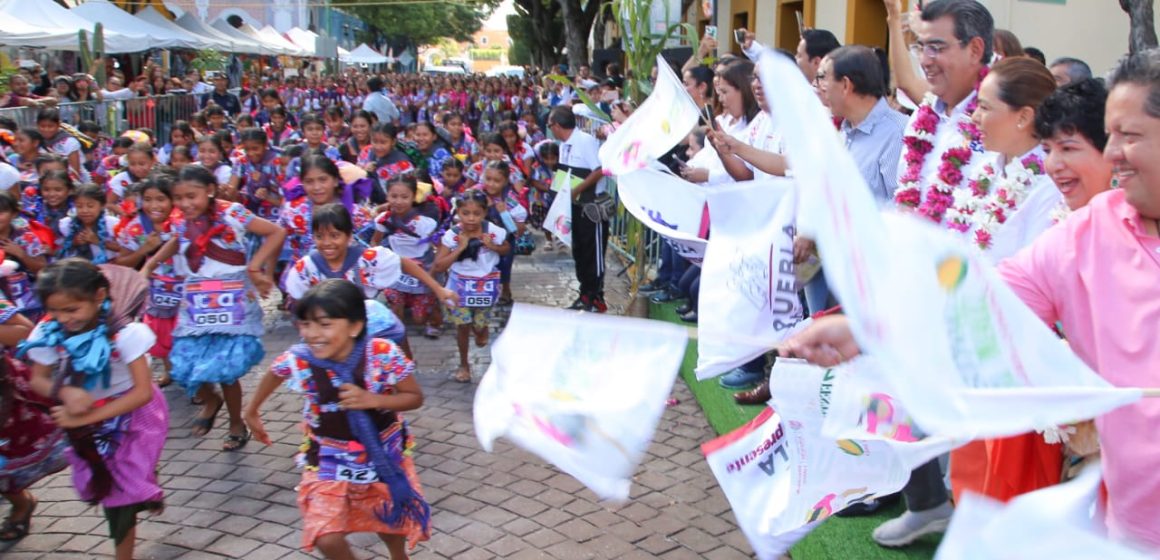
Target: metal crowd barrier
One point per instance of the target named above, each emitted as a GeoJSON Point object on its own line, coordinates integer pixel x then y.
{"type": "Point", "coordinates": [156, 112]}
{"type": "Point", "coordinates": [624, 229]}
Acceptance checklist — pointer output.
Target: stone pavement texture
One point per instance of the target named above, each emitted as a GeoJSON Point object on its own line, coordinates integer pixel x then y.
{"type": "Point", "coordinates": [506, 504]}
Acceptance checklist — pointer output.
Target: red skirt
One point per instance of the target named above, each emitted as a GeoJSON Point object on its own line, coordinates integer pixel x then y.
{"type": "Point", "coordinates": [1007, 467]}
{"type": "Point", "coordinates": [163, 329]}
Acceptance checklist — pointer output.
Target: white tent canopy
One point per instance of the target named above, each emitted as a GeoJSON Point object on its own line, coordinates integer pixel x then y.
{"type": "Point", "coordinates": [275, 38]}
{"type": "Point", "coordinates": [223, 27]}
{"type": "Point", "coordinates": [118, 20]}
{"type": "Point", "coordinates": [189, 22]}
{"type": "Point", "coordinates": [308, 40]}
{"type": "Point", "coordinates": [151, 16]}
{"type": "Point", "coordinates": [363, 54]}
{"type": "Point", "coordinates": [45, 24]}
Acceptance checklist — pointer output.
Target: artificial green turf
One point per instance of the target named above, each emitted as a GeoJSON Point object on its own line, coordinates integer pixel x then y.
{"type": "Point", "coordinates": [839, 537]}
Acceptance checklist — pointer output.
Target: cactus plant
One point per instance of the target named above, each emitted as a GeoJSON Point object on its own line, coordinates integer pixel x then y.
{"type": "Point", "coordinates": [94, 53]}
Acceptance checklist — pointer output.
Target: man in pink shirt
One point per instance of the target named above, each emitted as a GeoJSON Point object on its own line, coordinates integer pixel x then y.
{"type": "Point", "coordinates": [1098, 274]}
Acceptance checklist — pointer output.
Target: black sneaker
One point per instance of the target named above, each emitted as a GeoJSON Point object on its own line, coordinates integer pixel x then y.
{"type": "Point", "coordinates": [666, 296]}
{"type": "Point", "coordinates": [653, 287]}
{"type": "Point", "coordinates": [598, 305]}
{"type": "Point", "coordinates": [581, 304]}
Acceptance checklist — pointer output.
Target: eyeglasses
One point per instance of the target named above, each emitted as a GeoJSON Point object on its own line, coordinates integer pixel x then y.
{"type": "Point", "coordinates": [930, 50]}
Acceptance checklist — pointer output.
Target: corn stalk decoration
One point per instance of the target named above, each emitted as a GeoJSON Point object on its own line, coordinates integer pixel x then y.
{"type": "Point", "coordinates": [95, 53]}
{"type": "Point", "coordinates": [641, 47]}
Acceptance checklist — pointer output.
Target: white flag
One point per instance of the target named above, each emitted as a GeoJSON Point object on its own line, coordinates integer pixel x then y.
{"type": "Point", "coordinates": [661, 122]}
{"type": "Point", "coordinates": [558, 220]}
{"type": "Point", "coordinates": [966, 357]}
{"type": "Point", "coordinates": [1054, 522]}
{"type": "Point", "coordinates": [668, 205]}
{"type": "Point", "coordinates": [782, 476]}
{"type": "Point", "coordinates": [749, 298]}
{"type": "Point", "coordinates": [583, 391]}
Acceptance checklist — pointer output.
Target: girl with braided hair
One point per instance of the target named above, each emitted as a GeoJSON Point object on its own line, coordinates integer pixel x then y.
{"type": "Point", "coordinates": [89, 356]}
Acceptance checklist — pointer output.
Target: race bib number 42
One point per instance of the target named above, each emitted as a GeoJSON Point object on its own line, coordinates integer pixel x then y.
{"type": "Point", "coordinates": [356, 475]}
{"type": "Point", "coordinates": [216, 302]}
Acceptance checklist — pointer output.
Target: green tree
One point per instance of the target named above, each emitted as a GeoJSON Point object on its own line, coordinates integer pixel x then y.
{"type": "Point", "coordinates": [423, 24]}
{"type": "Point", "coordinates": [537, 27]}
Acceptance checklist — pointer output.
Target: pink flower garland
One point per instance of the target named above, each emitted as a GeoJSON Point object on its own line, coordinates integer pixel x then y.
{"type": "Point", "coordinates": [919, 143]}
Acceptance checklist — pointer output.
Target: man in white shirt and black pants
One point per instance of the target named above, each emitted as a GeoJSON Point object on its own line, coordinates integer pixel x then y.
{"type": "Point", "coordinates": [579, 157]}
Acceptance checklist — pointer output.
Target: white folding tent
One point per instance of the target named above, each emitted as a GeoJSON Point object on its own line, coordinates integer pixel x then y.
{"type": "Point", "coordinates": [118, 20]}
{"type": "Point", "coordinates": [189, 22]}
{"type": "Point", "coordinates": [308, 40]}
{"type": "Point", "coordinates": [363, 54]}
{"type": "Point", "coordinates": [151, 16]}
{"type": "Point", "coordinates": [46, 24]}
{"type": "Point", "coordinates": [272, 36]}
{"type": "Point", "coordinates": [224, 27]}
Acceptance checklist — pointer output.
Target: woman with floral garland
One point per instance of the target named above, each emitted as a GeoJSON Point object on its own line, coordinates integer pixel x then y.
{"type": "Point", "coordinates": [1002, 209]}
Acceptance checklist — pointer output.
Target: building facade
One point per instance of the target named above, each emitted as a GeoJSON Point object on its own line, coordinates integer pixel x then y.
{"type": "Point", "coordinates": [1091, 30]}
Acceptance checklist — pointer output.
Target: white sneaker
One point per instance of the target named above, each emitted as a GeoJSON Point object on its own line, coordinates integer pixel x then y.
{"type": "Point", "coordinates": [911, 526]}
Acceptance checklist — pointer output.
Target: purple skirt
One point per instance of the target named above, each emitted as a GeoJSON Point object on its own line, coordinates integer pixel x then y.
{"type": "Point", "coordinates": [133, 458]}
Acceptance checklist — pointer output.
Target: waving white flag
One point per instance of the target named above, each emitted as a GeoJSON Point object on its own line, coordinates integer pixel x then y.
{"type": "Point", "coordinates": [782, 476]}
{"type": "Point", "coordinates": [749, 298]}
{"type": "Point", "coordinates": [668, 205]}
{"type": "Point", "coordinates": [1054, 522]}
{"type": "Point", "coordinates": [589, 396]}
{"type": "Point", "coordinates": [966, 357]}
{"type": "Point", "coordinates": [661, 122]}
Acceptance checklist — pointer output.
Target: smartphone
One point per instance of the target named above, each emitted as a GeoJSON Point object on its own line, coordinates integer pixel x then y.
{"type": "Point", "coordinates": [711, 31]}
{"type": "Point", "coordinates": [739, 36]}
{"type": "Point", "coordinates": [801, 23]}
{"type": "Point", "coordinates": [713, 124]}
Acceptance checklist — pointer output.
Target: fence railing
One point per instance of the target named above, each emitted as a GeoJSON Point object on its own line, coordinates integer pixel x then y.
{"type": "Point", "coordinates": [624, 230]}
{"type": "Point", "coordinates": [157, 113]}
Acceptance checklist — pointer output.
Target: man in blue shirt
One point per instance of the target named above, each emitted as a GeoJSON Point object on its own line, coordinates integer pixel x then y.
{"type": "Point", "coordinates": [379, 104]}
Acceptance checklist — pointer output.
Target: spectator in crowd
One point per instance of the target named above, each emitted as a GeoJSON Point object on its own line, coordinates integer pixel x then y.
{"type": "Point", "coordinates": [1069, 70]}
{"type": "Point", "coordinates": [1007, 44]}
{"type": "Point", "coordinates": [378, 103]}
{"type": "Point", "coordinates": [221, 96]}
{"type": "Point", "coordinates": [1036, 54]}
{"type": "Point", "coordinates": [814, 45]}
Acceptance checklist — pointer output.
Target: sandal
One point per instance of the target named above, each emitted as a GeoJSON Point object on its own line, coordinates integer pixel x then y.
{"type": "Point", "coordinates": [505, 300]}
{"type": "Point", "coordinates": [14, 530]}
{"type": "Point", "coordinates": [462, 376]}
{"type": "Point", "coordinates": [234, 442]}
{"type": "Point", "coordinates": [481, 337]}
{"type": "Point", "coordinates": [163, 380]}
{"type": "Point", "coordinates": [202, 426]}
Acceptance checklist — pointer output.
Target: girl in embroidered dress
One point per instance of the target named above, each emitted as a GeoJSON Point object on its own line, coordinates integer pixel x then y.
{"type": "Point", "coordinates": [33, 447]}
{"type": "Point", "coordinates": [471, 251]}
{"type": "Point", "coordinates": [51, 200]}
{"type": "Point", "coordinates": [219, 321]}
{"type": "Point", "coordinates": [90, 233]}
{"type": "Point", "coordinates": [361, 123]}
{"type": "Point", "coordinates": [28, 146]}
{"type": "Point", "coordinates": [90, 357]}
{"type": "Point", "coordinates": [322, 185]}
{"type": "Point", "coordinates": [279, 131]}
{"type": "Point", "coordinates": [358, 473]}
{"type": "Point", "coordinates": [257, 177]}
{"type": "Point", "coordinates": [337, 132]}
{"type": "Point", "coordinates": [463, 146]}
{"type": "Point", "coordinates": [412, 236]}
{"type": "Point", "coordinates": [140, 161]}
{"type": "Point", "coordinates": [541, 196]}
{"type": "Point", "coordinates": [140, 236]}
{"type": "Point", "coordinates": [385, 161]}
{"type": "Point", "coordinates": [507, 211]}
{"type": "Point", "coordinates": [494, 149]}
{"type": "Point", "coordinates": [1002, 210]}
{"type": "Point", "coordinates": [60, 141]}
{"type": "Point", "coordinates": [211, 154]}
{"type": "Point", "coordinates": [180, 135]}
{"type": "Point", "coordinates": [20, 243]}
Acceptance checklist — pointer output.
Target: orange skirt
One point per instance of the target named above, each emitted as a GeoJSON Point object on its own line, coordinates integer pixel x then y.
{"type": "Point", "coordinates": [1004, 468]}
{"type": "Point", "coordinates": [330, 506]}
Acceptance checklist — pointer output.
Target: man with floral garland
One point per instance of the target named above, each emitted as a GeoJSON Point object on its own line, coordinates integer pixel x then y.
{"type": "Point", "coordinates": [941, 148]}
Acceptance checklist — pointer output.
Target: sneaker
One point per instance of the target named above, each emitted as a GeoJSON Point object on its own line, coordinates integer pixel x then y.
{"type": "Point", "coordinates": [665, 296]}
{"type": "Point", "coordinates": [911, 526]}
{"type": "Point", "coordinates": [581, 304]}
{"type": "Point", "coordinates": [653, 287]}
{"type": "Point", "coordinates": [690, 317]}
{"type": "Point", "coordinates": [741, 379]}
{"type": "Point", "coordinates": [599, 305]}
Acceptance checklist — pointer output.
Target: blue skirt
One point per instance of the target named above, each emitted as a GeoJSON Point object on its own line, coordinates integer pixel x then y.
{"type": "Point", "coordinates": [213, 358]}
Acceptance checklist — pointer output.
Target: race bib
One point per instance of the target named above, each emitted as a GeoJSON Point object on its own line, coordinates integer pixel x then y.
{"type": "Point", "coordinates": [477, 291]}
{"type": "Point", "coordinates": [350, 465]}
{"type": "Point", "coordinates": [409, 284]}
{"type": "Point", "coordinates": [20, 292]}
{"type": "Point", "coordinates": [164, 294]}
{"type": "Point", "coordinates": [213, 303]}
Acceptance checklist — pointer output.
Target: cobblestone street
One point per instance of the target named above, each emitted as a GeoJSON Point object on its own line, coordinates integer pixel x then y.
{"type": "Point", "coordinates": [508, 504]}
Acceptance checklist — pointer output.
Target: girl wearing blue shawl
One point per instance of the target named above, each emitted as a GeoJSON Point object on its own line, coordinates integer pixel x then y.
{"type": "Point", "coordinates": [358, 474]}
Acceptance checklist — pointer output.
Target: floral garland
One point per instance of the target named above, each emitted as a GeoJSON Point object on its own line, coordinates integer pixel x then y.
{"type": "Point", "coordinates": [989, 200]}
{"type": "Point", "coordinates": [1060, 213]}
{"type": "Point", "coordinates": [919, 143]}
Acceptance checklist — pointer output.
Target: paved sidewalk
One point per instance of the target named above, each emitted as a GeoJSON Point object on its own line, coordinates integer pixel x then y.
{"type": "Point", "coordinates": [507, 504]}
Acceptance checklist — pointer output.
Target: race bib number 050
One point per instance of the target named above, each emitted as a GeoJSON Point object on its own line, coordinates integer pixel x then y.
{"type": "Point", "coordinates": [216, 302]}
